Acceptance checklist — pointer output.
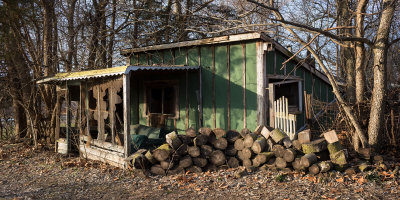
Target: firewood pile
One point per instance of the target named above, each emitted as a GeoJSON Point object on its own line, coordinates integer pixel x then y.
{"type": "Point", "coordinates": [212, 149]}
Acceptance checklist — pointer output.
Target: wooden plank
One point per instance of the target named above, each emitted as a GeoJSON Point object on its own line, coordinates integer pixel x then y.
{"type": "Point", "coordinates": [94, 153]}
{"type": "Point", "coordinates": [126, 107]}
{"type": "Point", "coordinates": [237, 86]}
{"type": "Point", "coordinates": [102, 144]}
{"type": "Point", "coordinates": [261, 76]}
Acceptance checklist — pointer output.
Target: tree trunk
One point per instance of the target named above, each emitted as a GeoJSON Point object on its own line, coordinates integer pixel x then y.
{"type": "Point", "coordinates": [379, 66]}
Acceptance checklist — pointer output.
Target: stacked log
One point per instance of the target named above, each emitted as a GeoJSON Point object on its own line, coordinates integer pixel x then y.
{"type": "Point", "coordinates": [211, 149]}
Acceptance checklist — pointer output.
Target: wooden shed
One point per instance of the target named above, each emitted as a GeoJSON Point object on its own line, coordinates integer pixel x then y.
{"type": "Point", "coordinates": [227, 82]}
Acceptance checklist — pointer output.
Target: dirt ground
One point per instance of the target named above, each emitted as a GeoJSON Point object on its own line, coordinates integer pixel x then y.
{"type": "Point", "coordinates": [27, 173]}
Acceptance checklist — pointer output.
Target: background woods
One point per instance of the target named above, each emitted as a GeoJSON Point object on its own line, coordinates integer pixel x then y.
{"type": "Point", "coordinates": [354, 42]}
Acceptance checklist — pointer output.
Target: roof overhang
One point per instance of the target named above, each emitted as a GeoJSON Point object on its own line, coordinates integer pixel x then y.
{"type": "Point", "coordinates": [109, 72]}
{"type": "Point", "coordinates": [213, 40]}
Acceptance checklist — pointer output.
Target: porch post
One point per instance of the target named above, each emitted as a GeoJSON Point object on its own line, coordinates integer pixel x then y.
{"type": "Point", "coordinates": [127, 113]}
{"type": "Point", "coordinates": [261, 84]}
{"type": "Point", "coordinates": [68, 117]}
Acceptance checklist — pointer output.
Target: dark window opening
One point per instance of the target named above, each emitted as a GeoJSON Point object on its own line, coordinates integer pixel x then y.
{"type": "Point", "coordinates": [290, 90]}
{"type": "Point", "coordinates": [162, 99]}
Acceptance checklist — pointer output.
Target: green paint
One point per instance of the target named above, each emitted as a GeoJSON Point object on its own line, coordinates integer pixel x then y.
{"type": "Point", "coordinates": [143, 59]}
{"type": "Point", "coordinates": [156, 58]}
{"type": "Point", "coordinates": [133, 60]}
{"type": "Point", "coordinates": [331, 96]}
{"type": "Point", "coordinates": [180, 56]}
{"type": "Point", "coordinates": [251, 86]}
{"type": "Point", "coordinates": [193, 102]}
{"type": "Point", "coordinates": [168, 57]}
{"type": "Point", "coordinates": [181, 123]}
{"type": "Point", "coordinates": [308, 82]}
{"type": "Point", "coordinates": [221, 86]}
{"type": "Point", "coordinates": [323, 92]}
{"type": "Point", "coordinates": [193, 57]}
{"type": "Point", "coordinates": [270, 62]}
{"type": "Point", "coordinates": [317, 85]}
{"type": "Point", "coordinates": [206, 65]}
{"type": "Point", "coordinates": [134, 100]}
{"type": "Point", "coordinates": [279, 60]}
{"type": "Point", "coordinates": [290, 68]}
{"type": "Point", "coordinates": [236, 87]}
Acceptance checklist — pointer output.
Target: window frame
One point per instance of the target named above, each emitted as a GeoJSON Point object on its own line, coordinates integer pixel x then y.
{"type": "Point", "coordinates": [147, 85]}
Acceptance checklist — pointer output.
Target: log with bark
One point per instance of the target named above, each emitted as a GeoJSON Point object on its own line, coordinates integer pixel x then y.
{"type": "Point", "coordinates": [278, 135]}
{"type": "Point", "coordinates": [246, 163]}
{"type": "Point", "coordinates": [230, 151]}
{"type": "Point", "coordinates": [296, 144]}
{"type": "Point", "coordinates": [259, 145]}
{"type": "Point", "coordinates": [167, 164]}
{"type": "Point", "coordinates": [325, 166]}
{"type": "Point", "coordinates": [278, 150]}
{"type": "Point", "coordinates": [220, 143]}
{"type": "Point", "coordinates": [182, 150]}
{"type": "Point", "coordinates": [139, 160]}
{"type": "Point", "coordinates": [162, 152]}
{"type": "Point", "coordinates": [232, 136]}
{"type": "Point", "coordinates": [233, 162]}
{"type": "Point", "coordinates": [206, 150]}
{"type": "Point", "coordinates": [176, 170]}
{"type": "Point", "coordinates": [219, 132]}
{"type": "Point", "coordinates": [249, 140]}
{"type": "Point", "coordinates": [266, 132]}
{"type": "Point", "coordinates": [289, 155]}
{"type": "Point", "coordinates": [157, 170]}
{"type": "Point", "coordinates": [200, 161]}
{"type": "Point", "coordinates": [339, 158]}
{"type": "Point", "coordinates": [217, 158]}
{"type": "Point", "coordinates": [246, 153]}
{"type": "Point", "coordinates": [304, 136]}
{"type": "Point", "coordinates": [331, 136]}
{"type": "Point", "coordinates": [185, 162]}
{"type": "Point", "coordinates": [315, 146]}
{"type": "Point", "coordinates": [201, 139]}
{"type": "Point", "coordinates": [313, 169]}
{"type": "Point", "coordinates": [296, 164]}
{"type": "Point", "coordinates": [239, 144]}
{"type": "Point", "coordinates": [194, 169]}
{"type": "Point", "coordinates": [281, 163]}
{"type": "Point", "coordinates": [191, 132]}
{"type": "Point", "coordinates": [262, 158]}
{"type": "Point", "coordinates": [173, 140]}
{"type": "Point", "coordinates": [244, 132]}
{"type": "Point", "coordinates": [186, 139]}
{"type": "Point", "coordinates": [334, 147]}
{"type": "Point", "coordinates": [308, 159]}
{"type": "Point", "coordinates": [193, 151]}
{"type": "Point", "coordinates": [205, 131]}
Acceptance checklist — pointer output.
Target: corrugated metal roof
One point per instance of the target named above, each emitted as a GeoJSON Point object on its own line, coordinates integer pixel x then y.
{"type": "Point", "coordinates": [114, 71]}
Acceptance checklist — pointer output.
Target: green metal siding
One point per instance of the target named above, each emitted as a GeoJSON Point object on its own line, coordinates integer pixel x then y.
{"type": "Point", "coordinates": [280, 58]}
{"type": "Point", "coordinates": [180, 56]}
{"type": "Point", "coordinates": [221, 86]}
{"type": "Point", "coordinates": [251, 85]}
{"type": "Point", "coordinates": [236, 86]}
{"type": "Point", "coordinates": [207, 75]}
{"type": "Point", "coordinates": [270, 62]}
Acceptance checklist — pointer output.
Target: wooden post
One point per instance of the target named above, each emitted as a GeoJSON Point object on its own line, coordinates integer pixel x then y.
{"type": "Point", "coordinates": [127, 116]}
{"type": "Point", "coordinates": [68, 120]}
{"type": "Point", "coordinates": [87, 110]}
{"type": "Point", "coordinates": [261, 76]}
{"type": "Point", "coordinates": [271, 104]}
{"type": "Point", "coordinates": [111, 111]}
